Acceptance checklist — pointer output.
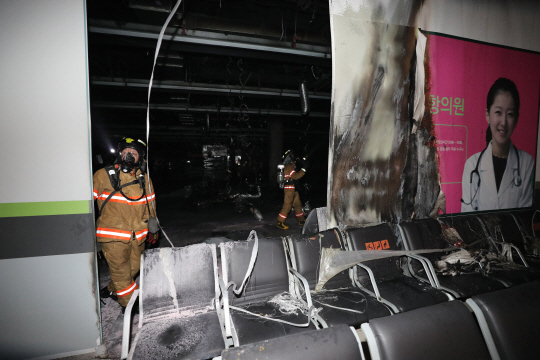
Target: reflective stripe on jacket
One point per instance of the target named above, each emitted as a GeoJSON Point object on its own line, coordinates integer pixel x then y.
{"type": "Point", "coordinates": [290, 175]}
{"type": "Point", "coordinates": [122, 219]}
{"type": "Point", "coordinates": [127, 290]}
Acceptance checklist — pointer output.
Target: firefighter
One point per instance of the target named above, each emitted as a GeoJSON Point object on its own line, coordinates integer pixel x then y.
{"type": "Point", "coordinates": [291, 198]}
{"type": "Point", "coordinates": [126, 205]}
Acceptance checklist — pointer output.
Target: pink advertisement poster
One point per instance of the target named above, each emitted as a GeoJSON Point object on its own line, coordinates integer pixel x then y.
{"type": "Point", "coordinates": [462, 73]}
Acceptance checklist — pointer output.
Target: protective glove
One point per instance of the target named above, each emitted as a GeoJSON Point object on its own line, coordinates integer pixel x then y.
{"type": "Point", "coordinates": [302, 164]}
{"type": "Point", "coordinates": [152, 241]}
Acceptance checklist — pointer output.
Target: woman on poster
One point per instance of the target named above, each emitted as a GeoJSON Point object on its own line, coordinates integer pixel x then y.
{"type": "Point", "coordinates": [500, 176]}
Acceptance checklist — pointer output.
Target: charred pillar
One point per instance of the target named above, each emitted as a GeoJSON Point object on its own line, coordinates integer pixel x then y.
{"type": "Point", "coordinates": [382, 166]}
{"type": "Point", "coordinates": [275, 136]}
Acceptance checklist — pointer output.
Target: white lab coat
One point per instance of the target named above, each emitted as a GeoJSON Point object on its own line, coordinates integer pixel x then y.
{"type": "Point", "coordinates": [509, 195]}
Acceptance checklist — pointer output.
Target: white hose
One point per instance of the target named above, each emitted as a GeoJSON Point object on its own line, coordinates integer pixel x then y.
{"type": "Point", "coordinates": [158, 46]}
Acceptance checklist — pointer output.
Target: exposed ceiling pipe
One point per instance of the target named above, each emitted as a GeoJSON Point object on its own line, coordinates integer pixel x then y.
{"type": "Point", "coordinates": [198, 87]}
{"type": "Point", "coordinates": [150, 5]}
{"type": "Point", "coordinates": [216, 39]}
{"type": "Point", "coordinates": [172, 130]}
{"type": "Point", "coordinates": [210, 109]}
{"type": "Point", "coordinates": [266, 28]}
{"type": "Point", "coordinates": [170, 60]}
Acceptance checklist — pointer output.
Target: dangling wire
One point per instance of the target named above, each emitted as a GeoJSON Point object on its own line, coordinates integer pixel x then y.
{"type": "Point", "coordinates": [231, 101]}
{"type": "Point", "coordinates": [282, 27]}
{"type": "Point", "coordinates": [241, 115]}
{"type": "Point", "coordinates": [313, 72]}
{"type": "Point", "coordinates": [158, 46]}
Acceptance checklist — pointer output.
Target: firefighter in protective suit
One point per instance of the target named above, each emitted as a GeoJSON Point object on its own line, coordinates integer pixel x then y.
{"type": "Point", "coordinates": [126, 204]}
{"type": "Point", "coordinates": [291, 198]}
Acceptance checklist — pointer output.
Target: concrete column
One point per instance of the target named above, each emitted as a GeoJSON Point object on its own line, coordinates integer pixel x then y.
{"type": "Point", "coordinates": [49, 302]}
{"type": "Point", "coordinates": [275, 140]}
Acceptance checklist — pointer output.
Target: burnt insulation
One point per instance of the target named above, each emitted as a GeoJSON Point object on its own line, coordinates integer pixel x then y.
{"type": "Point", "coordinates": [383, 165]}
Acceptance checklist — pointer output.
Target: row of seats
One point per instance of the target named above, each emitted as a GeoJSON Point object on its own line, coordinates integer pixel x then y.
{"type": "Point", "coordinates": [427, 234]}
{"type": "Point", "coordinates": [391, 288]}
{"type": "Point", "coordinates": [516, 228]}
{"type": "Point", "coordinates": [187, 311]}
{"type": "Point", "coordinates": [502, 326]}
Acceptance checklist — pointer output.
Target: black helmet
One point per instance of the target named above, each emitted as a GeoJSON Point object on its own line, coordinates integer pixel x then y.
{"type": "Point", "coordinates": [128, 164]}
{"type": "Point", "coordinates": [288, 157]}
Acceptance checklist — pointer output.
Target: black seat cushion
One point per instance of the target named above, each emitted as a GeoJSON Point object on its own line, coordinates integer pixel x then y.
{"type": "Point", "coordinates": [443, 331]}
{"type": "Point", "coordinates": [332, 343]}
{"type": "Point", "coordinates": [481, 232]}
{"type": "Point", "coordinates": [250, 328]}
{"type": "Point", "coordinates": [408, 293]}
{"type": "Point", "coordinates": [194, 337]}
{"type": "Point", "coordinates": [513, 318]}
{"type": "Point", "coordinates": [338, 291]}
{"type": "Point", "coordinates": [525, 219]}
{"type": "Point", "coordinates": [519, 275]}
{"type": "Point", "coordinates": [376, 237]}
{"type": "Point", "coordinates": [529, 225]}
{"type": "Point", "coordinates": [472, 231]}
{"type": "Point", "coordinates": [517, 228]}
{"type": "Point", "coordinates": [425, 234]}
{"type": "Point", "coordinates": [269, 277]}
{"type": "Point", "coordinates": [404, 292]}
{"type": "Point", "coordinates": [467, 285]}
{"type": "Point", "coordinates": [355, 299]}
{"type": "Point", "coordinates": [502, 226]}
{"type": "Point", "coordinates": [307, 256]}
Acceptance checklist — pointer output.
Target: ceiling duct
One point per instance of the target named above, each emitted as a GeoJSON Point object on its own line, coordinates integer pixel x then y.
{"type": "Point", "coordinates": [170, 60]}
{"type": "Point", "coordinates": [151, 5]}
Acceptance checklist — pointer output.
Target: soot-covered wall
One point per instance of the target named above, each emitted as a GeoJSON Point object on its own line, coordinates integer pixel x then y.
{"type": "Point", "coordinates": [383, 166]}
{"type": "Point", "coordinates": [382, 159]}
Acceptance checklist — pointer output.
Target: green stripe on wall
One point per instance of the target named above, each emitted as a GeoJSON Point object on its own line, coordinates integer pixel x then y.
{"type": "Point", "coordinates": [44, 208]}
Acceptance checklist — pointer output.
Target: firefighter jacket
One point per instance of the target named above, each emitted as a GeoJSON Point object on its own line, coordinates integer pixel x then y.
{"type": "Point", "coordinates": [122, 219]}
{"type": "Point", "coordinates": [290, 176]}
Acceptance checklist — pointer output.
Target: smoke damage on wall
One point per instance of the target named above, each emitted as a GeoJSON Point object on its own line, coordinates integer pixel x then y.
{"type": "Point", "coordinates": [382, 162]}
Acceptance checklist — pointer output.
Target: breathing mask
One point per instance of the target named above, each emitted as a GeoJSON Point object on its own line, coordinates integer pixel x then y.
{"type": "Point", "coordinates": [128, 163]}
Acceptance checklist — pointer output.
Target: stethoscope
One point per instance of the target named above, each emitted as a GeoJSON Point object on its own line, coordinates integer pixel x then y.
{"type": "Point", "coordinates": [516, 180]}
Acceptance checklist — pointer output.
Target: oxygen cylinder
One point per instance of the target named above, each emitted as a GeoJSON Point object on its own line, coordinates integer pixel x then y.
{"type": "Point", "coordinates": [281, 175]}
{"type": "Point", "coordinates": [307, 207]}
{"type": "Point", "coordinates": [257, 213]}
{"type": "Point", "coordinates": [304, 99]}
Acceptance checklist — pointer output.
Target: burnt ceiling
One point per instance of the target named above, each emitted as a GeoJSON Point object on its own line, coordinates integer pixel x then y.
{"type": "Point", "coordinates": [226, 69]}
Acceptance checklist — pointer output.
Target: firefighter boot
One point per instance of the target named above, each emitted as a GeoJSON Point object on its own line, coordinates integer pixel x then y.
{"type": "Point", "coordinates": [282, 225]}
{"type": "Point", "coordinates": [301, 222]}
{"type": "Point", "coordinates": [104, 293]}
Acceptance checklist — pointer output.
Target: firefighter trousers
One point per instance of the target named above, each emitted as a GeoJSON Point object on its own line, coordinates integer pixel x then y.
{"type": "Point", "coordinates": [291, 200]}
{"type": "Point", "coordinates": [124, 260]}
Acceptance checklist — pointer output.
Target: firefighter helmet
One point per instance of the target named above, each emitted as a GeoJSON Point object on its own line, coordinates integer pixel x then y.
{"type": "Point", "coordinates": [288, 157]}
{"type": "Point", "coordinates": [128, 163]}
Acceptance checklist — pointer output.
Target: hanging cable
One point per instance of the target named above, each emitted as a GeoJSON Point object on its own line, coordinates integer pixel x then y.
{"type": "Point", "coordinates": [282, 28]}
{"type": "Point", "coordinates": [313, 72]}
{"type": "Point", "coordinates": [158, 46]}
{"type": "Point", "coordinates": [304, 99]}
{"type": "Point", "coordinates": [242, 116]}
{"type": "Point", "coordinates": [231, 101]}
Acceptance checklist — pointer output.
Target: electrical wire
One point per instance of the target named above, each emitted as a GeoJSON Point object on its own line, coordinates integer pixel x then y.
{"type": "Point", "coordinates": [158, 46]}
{"type": "Point", "coordinates": [313, 72]}
{"type": "Point", "coordinates": [282, 28]}
{"type": "Point", "coordinates": [242, 116]}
